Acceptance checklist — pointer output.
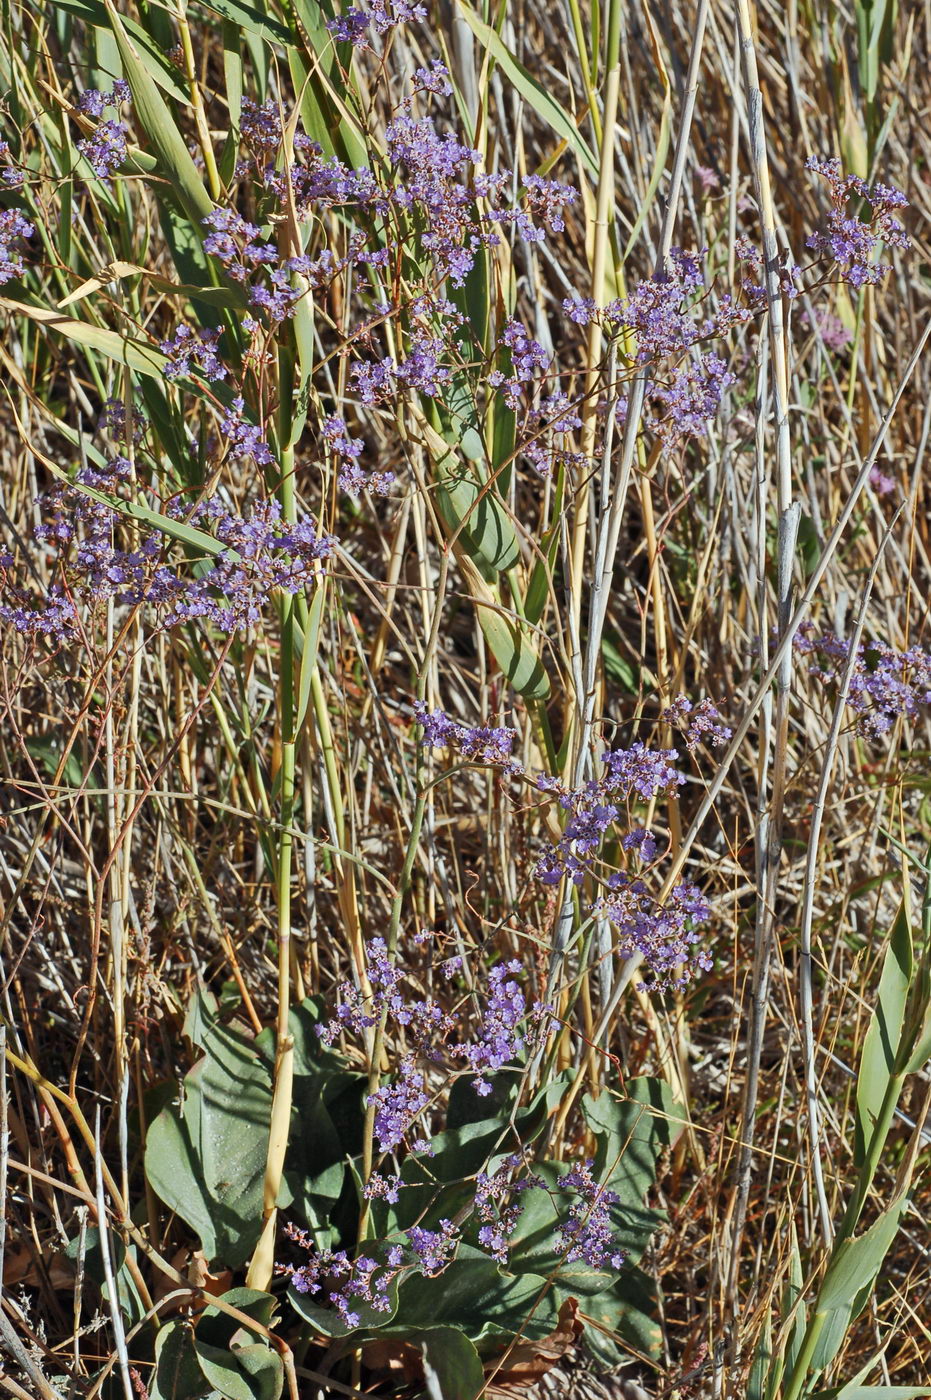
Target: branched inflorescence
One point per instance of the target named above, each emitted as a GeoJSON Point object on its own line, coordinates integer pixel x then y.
{"type": "Point", "coordinates": [254, 557]}
{"type": "Point", "coordinates": [854, 244]}
{"type": "Point", "coordinates": [885, 684]}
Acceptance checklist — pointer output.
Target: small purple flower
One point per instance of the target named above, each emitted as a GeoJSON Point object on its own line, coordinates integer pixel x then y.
{"type": "Point", "coordinates": [105, 151]}
{"type": "Point", "coordinates": [850, 242]}
{"type": "Point", "coordinates": [13, 228]}
{"type": "Point", "coordinates": [434, 1248]}
{"type": "Point", "coordinates": [186, 347]}
{"type": "Point", "coordinates": [587, 1235]}
{"type": "Point", "coordinates": [398, 1105]}
{"type": "Point", "coordinates": [702, 722]}
{"type": "Point", "coordinates": [664, 935]}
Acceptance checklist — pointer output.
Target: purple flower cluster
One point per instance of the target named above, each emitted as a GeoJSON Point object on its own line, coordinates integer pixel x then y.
{"type": "Point", "coordinates": [498, 1205]}
{"type": "Point", "coordinates": [885, 685]}
{"type": "Point", "coordinates": [421, 371]}
{"type": "Point", "coordinates": [398, 1105]}
{"type": "Point", "coordinates": [198, 348]}
{"type": "Point", "coordinates": [420, 1017]}
{"type": "Point", "coordinates": [13, 229]}
{"type": "Point", "coordinates": [850, 242]}
{"type": "Point", "coordinates": [105, 151]}
{"type": "Point", "coordinates": [586, 1234]}
{"type": "Point", "coordinates": [701, 722]}
{"type": "Point", "coordinates": [10, 174]}
{"type": "Point", "coordinates": [434, 1248]}
{"type": "Point", "coordinates": [594, 807]}
{"type": "Point", "coordinates": [664, 935]}
{"type": "Point", "coordinates": [352, 26]}
{"type": "Point", "coordinates": [499, 1038]}
{"type": "Point", "coordinates": [259, 555]}
{"type": "Point", "coordinates": [352, 477]}
{"type": "Point", "coordinates": [341, 1281]}
{"type": "Point", "coordinates": [487, 744]}
{"type": "Point", "coordinates": [256, 264]}
{"type": "Point", "coordinates": [634, 773]}
{"type": "Point", "coordinates": [244, 439]}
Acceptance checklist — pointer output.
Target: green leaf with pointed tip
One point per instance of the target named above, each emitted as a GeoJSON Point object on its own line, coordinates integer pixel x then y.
{"type": "Point", "coordinates": [205, 1157]}
{"type": "Point", "coordinates": [164, 73]}
{"type": "Point", "coordinates": [251, 1372]}
{"type": "Point", "coordinates": [850, 1279]}
{"type": "Point", "coordinates": [872, 1392]}
{"type": "Point", "coordinates": [480, 1299]}
{"type": "Point", "coordinates": [154, 116]}
{"type": "Point", "coordinates": [257, 22]}
{"type": "Point", "coordinates": [881, 1042]}
{"type": "Point", "coordinates": [534, 93]}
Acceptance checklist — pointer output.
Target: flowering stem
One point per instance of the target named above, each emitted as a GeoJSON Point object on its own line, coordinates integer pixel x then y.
{"type": "Point", "coordinates": [261, 1267]}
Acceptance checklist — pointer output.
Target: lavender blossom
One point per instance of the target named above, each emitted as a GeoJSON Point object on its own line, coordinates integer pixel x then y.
{"type": "Point", "coordinates": [13, 228]}
{"type": "Point", "coordinates": [187, 347]}
{"type": "Point", "coordinates": [664, 935]}
{"type": "Point", "coordinates": [498, 1205]}
{"type": "Point", "coordinates": [434, 1248]}
{"type": "Point", "coordinates": [852, 244]}
{"type": "Point", "coordinates": [702, 722]}
{"type": "Point", "coordinates": [337, 1280]}
{"type": "Point", "coordinates": [586, 1234]}
{"type": "Point", "coordinates": [398, 1105]}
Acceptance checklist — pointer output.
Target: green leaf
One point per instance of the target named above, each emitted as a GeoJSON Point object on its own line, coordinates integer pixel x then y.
{"type": "Point", "coordinates": [533, 93]}
{"type": "Point", "coordinates": [152, 54]}
{"type": "Point", "coordinates": [205, 1157]}
{"type": "Point", "coordinates": [477, 1297]}
{"type": "Point", "coordinates": [872, 1392]}
{"type": "Point", "coordinates": [219, 1328]}
{"type": "Point", "coordinates": [257, 22]}
{"type": "Point", "coordinates": [631, 1134]}
{"type": "Point", "coordinates": [509, 638]}
{"type": "Point", "coordinates": [850, 1279]}
{"type": "Point", "coordinates": [451, 1365]}
{"type": "Point", "coordinates": [628, 1310]}
{"type": "Point", "coordinates": [881, 1043]}
{"type": "Point", "coordinates": [135, 354]}
{"type": "Point", "coordinates": [177, 1373]}
{"type": "Point", "coordinates": [252, 1372]}
{"type": "Point", "coordinates": [762, 1360]}
{"type": "Point", "coordinates": [154, 116]}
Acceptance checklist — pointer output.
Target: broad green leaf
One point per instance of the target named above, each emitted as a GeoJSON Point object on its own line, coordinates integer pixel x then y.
{"type": "Point", "coordinates": [533, 93]}
{"type": "Point", "coordinates": [762, 1360]}
{"type": "Point", "coordinates": [136, 354]}
{"type": "Point", "coordinates": [219, 1328]}
{"type": "Point", "coordinates": [475, 517]}
{"type": "Point", "coordinates": [631, 1134]}
{"type": "Point", "coordinates": [477, 1297]}
{"type": "Point", "coordinates": [256, 21]}
{"type": "Point", "coordinates": [451, 1365]}
{"type": "Point", "coordinates": [881, 1043]}
{"type": "Point", "coordinates": [205, 1157]}
{"type": "Point", "coordinates": [628, 1309]}
{"type": "Point", "coordinates": [872, 1392]}
{"type": "Point", "coordinates": [509, 638]}
{"type": "Point", "coordinates": [177, 1374]}
{"type": "Point", "coordinates": [251, 1372]}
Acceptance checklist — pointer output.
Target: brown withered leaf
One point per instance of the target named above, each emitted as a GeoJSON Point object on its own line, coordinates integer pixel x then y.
{"type": "Point", "coordinates": [528, 1362]}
